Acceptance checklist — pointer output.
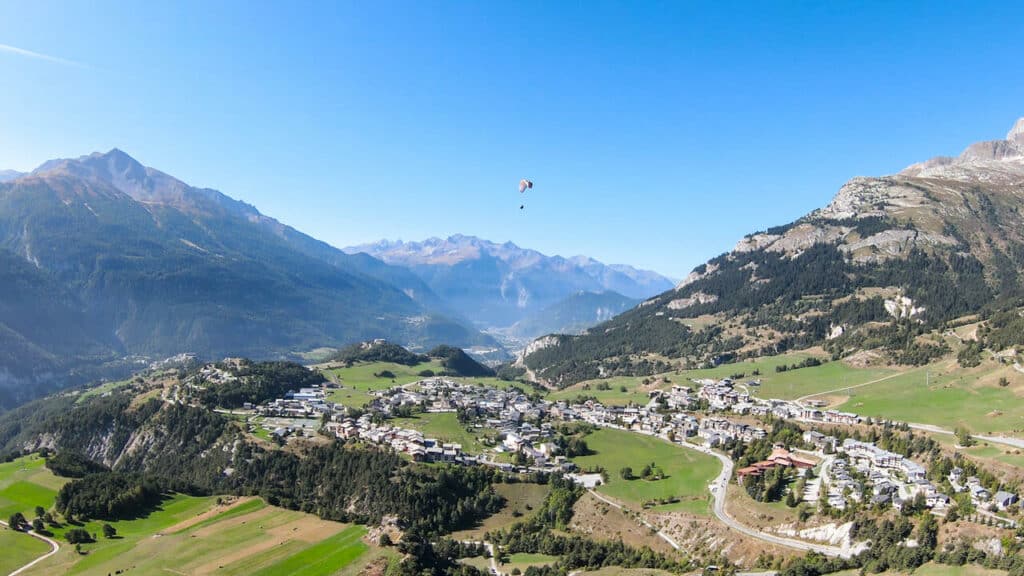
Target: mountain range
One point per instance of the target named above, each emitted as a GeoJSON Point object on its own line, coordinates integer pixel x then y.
{"type": "Point", "coordinates": [104, 258]}
{"type": "Point", "coordinates": [498, 285]}
{"type": "Point", "coordinates": [888, 260]}
{"type": "Point", "coordinates": [108, 264]}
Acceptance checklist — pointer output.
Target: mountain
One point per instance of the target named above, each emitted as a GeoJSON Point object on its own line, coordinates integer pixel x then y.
{"type": "Point", "coordinates": [119, 258]}
{"type": "Point", "coordinates": [6, 175]}
{"type": "Point", "coordinates": [889, 259]}
{"type": "Point", "coordinates": [573, 314]}
{"type": "Point", "coordinates": [501, 284]}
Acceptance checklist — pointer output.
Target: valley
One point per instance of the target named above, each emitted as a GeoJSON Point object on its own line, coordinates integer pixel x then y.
{"type": "Point", "coordinates": [511, 289]}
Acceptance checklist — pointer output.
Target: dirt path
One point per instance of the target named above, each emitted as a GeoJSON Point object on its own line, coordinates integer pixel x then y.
{"type": "Point", "coordinates": [800, 401]}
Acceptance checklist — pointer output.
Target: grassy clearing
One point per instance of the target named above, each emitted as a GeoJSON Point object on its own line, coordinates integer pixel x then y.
{"type": "Point", "coordinates": [786, 385]}
{"type": "Point", "coordinates": [621, 391]}
{"type": "Point", "coordinates": [196, 536]}
{"type": "Point", "coordinates": [687, 472]}
{"type": "Point", "coordinates": [19, 549]}
{"type": "Point", "coordinates": [521, 498]}
{"type": "Point", "coordinates": [26, 483]}
{"type": "Point", "coordinates": [361, 376]}
{"type": "Point", "coordinates": [760, 514]}
{"type": "Point", "coordinates": [524, 561]}
{"type": "Point", "coordinates": [445, 426]}
{"type": "Point", "coordinates": [946, 395]}
{"type": "Point", "coordinates": [185, 534]}
{"type": "Point", "coordinates": [358, 380]}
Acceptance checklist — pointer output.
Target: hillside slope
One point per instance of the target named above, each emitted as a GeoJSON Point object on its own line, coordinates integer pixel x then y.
{"type": "Point", "coordinates": [888, 259]}
{"type": "Point", "coordinates": [148, 265]}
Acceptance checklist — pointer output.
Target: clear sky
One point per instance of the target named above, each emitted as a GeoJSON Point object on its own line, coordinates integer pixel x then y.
{"type": "Point", "coordinates": [657, 133]}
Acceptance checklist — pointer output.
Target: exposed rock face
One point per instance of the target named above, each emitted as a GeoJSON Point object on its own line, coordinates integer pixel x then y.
{"type": "Point", "coordinates": [903, 307]}
{"type": "Point", "coordinates": [697, 298]}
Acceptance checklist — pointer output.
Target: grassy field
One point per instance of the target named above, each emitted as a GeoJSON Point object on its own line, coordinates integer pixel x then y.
{"type": "Point", "coordinates": [196, 536]}
{"type": "Point", "coordinates": [26, 483]}
{"type": "Point", "coordinates": [358, 380]}
{"type": "Point", "coordinates": [19, 549]}
{"type": "Point", "coordinates": [790, 384]}
{"type": "Point", "coordinates": [524, 561]}
{"type": "Point", "coordinates": [190, 535]}
{"type": "Point", "coordinates": [445, 426]}
{"type": "Point", "coordinates": [521, 499]}
{"type": "Point", "coordinates": [687, 472]}
{"type": "Point", "coordinates": [946, 395]}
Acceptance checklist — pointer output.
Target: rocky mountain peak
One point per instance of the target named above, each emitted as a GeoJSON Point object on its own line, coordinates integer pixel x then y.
{"type": "Point", "coordinates": [989, 161]}
{"type": "Point", "coordinates": [1016, 134]}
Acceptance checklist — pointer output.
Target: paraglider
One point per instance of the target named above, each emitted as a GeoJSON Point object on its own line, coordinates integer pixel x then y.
{"type": "Point", "coordinates": [523, 185]}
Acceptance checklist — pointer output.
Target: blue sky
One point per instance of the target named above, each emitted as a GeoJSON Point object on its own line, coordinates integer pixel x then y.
{"type": "Point", "coordinates": [657, 133]}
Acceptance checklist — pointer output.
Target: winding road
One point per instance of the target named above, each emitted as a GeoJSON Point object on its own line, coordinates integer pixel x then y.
{"type": "Point", "coordinates": [54, 548]}
{"type": "Point", "coordinates": [719, 489]}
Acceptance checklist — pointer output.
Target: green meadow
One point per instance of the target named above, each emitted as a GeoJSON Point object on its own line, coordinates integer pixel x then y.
{"type": "Point", "coordinates": [184, 535]}
{"type": "Point", "coordinates": [946, 395]}
{"type": "Point", "coordinates": [19, 549]}
{"type": "Point", "coordinates": [687, 472]}
{"type": "Point", "coordinates": [445, 426]}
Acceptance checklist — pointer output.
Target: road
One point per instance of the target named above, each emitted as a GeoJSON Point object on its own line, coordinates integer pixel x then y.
{"type": "Point", "coordinates": [719, 490]}
{"type": "Point", "coordinates": [54, 548]}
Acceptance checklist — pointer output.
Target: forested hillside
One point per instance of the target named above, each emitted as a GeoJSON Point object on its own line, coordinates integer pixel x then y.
{"type": "Point", "coordinates": [889, 260]}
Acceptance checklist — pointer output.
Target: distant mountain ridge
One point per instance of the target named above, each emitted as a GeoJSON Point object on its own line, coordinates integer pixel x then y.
{"type": "Point", "coordinates": [573, 314]}
{"type": "Point", "coordinates": [147, 265]}
{"type": "Point", "coordinates": [6, 175]}
{"type": "Point", "coordinates": [886, 260]}
{"type": "Point", "coordinates": [498, 285]}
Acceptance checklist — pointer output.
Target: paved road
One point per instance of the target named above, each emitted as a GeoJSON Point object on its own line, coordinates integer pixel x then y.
{"type": "Point", "coordinates": [718, 490]}
{"type": "Point", "coordinates": [54, 548]}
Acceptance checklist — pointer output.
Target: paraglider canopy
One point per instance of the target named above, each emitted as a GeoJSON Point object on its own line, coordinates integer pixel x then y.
{"type": "Point", "coordinates": [524, 184]}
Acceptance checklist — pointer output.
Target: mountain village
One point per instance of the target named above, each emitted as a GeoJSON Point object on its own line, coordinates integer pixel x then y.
{"type": "Point", "coordinates": [710, 414]}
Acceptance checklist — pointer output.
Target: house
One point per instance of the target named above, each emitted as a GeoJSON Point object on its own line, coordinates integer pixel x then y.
{"type": "Point", "coordinates": [1004, 499]}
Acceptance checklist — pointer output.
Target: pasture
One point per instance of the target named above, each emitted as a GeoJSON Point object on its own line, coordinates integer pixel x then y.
{"type": "Point", "coordinates": [687, 472]}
